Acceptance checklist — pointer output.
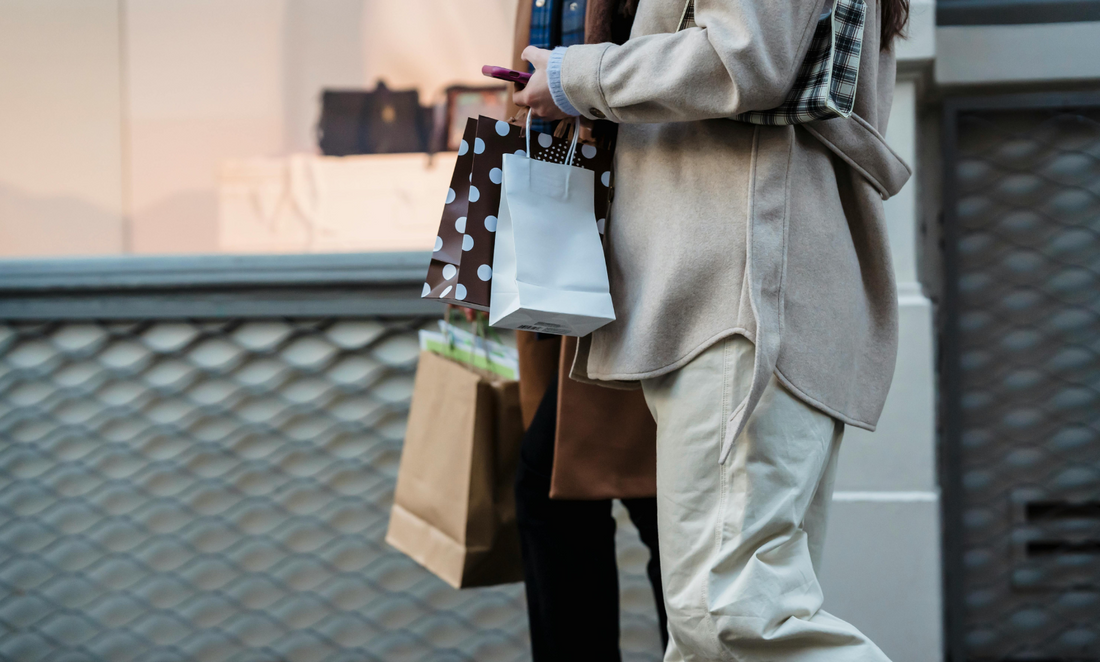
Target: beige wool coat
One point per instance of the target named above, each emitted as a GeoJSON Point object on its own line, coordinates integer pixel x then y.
{"type": "Point", "coordinates": [720, 227]}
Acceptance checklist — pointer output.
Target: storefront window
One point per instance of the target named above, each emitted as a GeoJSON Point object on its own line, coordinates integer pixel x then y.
{"type": "Point", "coordinates": [141, 127]}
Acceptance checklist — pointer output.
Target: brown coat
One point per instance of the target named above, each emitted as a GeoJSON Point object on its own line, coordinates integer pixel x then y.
{"type": "Point", "coordinates": [606, 438]}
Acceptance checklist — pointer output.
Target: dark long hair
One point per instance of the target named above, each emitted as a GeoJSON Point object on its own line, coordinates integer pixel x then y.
{"type": "Point", "coordinates": [895, 14]}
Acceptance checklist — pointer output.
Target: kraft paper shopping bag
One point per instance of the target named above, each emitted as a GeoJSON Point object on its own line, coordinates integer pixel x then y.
{"type": "Point", "coordinates": [454, 506]}
{"type": "Point", "coordinates": [550, 271]}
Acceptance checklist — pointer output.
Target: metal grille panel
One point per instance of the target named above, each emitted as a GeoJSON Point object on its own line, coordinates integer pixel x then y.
{"type": "Point", "coordinates": [220, 491]}
{"type": "Point", "coordinates": [1027, 261]}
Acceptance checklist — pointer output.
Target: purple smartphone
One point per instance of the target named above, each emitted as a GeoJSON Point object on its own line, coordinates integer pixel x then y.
{"type": "Point", "coordinates": [510, 75]}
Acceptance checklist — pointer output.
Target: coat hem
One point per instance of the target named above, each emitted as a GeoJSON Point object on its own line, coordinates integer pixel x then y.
{"type": "Point", "coordinates": [675, 365]}
{"type": "Point", "coordinates": [817, 404]}
{"type": "Point", "coordinates": [631, 378]}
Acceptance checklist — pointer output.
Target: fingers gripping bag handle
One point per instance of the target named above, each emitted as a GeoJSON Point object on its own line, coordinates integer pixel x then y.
{"type": "Point", "coordinates": [573, 146]}
{"type": "Point", "coordinates": [571, 155]}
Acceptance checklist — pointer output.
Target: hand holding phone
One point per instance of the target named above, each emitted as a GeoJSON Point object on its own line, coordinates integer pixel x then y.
{"type": "Point", "coordinates": [510, 75]}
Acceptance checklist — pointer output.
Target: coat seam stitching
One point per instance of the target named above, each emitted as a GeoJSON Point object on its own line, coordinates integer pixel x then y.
{"type": "Point", "coordinates": [599, 84]}
{"type": "Point", "coordinates": [786, 233]}
{"type": "Point", "coordinates": [723, 491]}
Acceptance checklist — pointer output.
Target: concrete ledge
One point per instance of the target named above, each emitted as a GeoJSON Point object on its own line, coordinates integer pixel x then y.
{"type": "Point", "coordinates": [1017, 53]}
{"type": "Point", "coordinates": [919, 44]}
{"type": "Point", "coordinates": [1006, 12]}
{"type": "Point", "coordinates": [881, 571]}
{"type": "Point", "coordinates": [216, 286]}
{"type": "Point", "coordinates": [900, 455]}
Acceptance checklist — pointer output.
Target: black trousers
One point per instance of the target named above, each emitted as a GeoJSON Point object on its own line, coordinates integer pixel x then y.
{"type": "Point", "coordinates": [569, 562]}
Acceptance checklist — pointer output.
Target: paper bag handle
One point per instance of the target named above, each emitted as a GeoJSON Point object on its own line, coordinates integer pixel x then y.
{"type": "Point", "coordinates": [572, 147]}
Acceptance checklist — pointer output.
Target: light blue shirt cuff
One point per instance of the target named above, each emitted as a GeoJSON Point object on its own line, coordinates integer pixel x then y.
{"type": "Point", "coordinates": [553, 78]}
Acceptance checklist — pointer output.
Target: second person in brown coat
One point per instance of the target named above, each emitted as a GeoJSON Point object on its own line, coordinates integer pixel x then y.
{"type": "Point", "coordinates": [584, 445]}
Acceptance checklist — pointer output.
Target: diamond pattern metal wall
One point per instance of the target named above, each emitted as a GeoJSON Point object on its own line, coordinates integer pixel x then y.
{"type": "Point", "coordinates": [219, 492]}
{"type": "Point", "coordinates": [1027, 255]}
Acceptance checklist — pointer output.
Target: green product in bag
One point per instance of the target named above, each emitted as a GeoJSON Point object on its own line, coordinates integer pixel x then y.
{"type": "Point", "coordinates": [475, 350]}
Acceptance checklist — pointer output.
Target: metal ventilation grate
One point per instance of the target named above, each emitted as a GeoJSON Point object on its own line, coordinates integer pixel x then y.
{"type": "Point", "coordinates": [219, 491]}
{"type": "Point", "coordinates": [1025, 248]}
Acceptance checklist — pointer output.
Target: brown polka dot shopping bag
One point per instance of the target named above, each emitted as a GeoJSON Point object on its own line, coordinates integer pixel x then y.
{"type": "Point", "coordinates": [461, 270]}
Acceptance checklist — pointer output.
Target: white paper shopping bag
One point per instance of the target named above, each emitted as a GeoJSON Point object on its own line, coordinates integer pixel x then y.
{"type": "Point", "coordinates": [549, 272]}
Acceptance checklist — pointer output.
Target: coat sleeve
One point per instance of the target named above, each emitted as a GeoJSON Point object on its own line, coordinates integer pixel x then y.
{"type": "Point", "coordinates": [743, 55]}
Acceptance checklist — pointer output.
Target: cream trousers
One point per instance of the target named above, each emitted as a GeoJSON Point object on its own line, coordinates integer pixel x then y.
{"type": "Point", "coordinates": [741, 541]}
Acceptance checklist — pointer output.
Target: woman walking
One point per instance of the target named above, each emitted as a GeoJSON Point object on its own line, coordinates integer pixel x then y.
{"type": "Point", "coordinates": [755, 296]}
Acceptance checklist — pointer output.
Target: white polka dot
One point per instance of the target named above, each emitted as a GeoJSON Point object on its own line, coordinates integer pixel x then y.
{"type": "Point", "coordinates": [450, 196]}
{"type": "Point", "coordinates": [426, 291]}
{"type": "Point", "coordinates": [475, 194]}
{"type": "Point", "coordinates": [445, 292]}
{"type": "Point", "coordinates": [460, 292]}
{"type": "Point", "coordinates": [495, 175]}
{"type": "Point", "coordinates": [520, 152]}
{"type": "Point", "coordinates": [588, 151]}
{"type": "Point", "coordinates": [484, 272]}
{"type": "Point", "coordinates": [601, 224]}
{"type": "Point", "coordinates": [502, 128]}
{"type": "Point", "coordinates": [479, 145]}
{"type": "Point", "coordinates": [460, 224]}
{"type": "Point", "coordinates": [491, 223]}
{"type": "Point", "coordinates": [438, 243]}
{"type": "Point", "coordinates": [463, 147]}
{"type": "Point", "coordinates": [545, 140]}
{"type": "Point", "coordinates": [467, 242]}
{"type": "Point", "coordinates": [449, 271]}
{"type": "Point", "coordinates": [470, 178]}
{"type": "Point", "coordinates": [605, 178]}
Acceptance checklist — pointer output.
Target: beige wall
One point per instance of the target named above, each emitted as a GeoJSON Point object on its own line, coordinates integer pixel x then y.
{"type": "Point", "coordinates": [127, 109]}
{"type": "Point", "coordinates": [60, 128]}
{"type": "Point", "coordinates": [431, 43]}
{"type": "Point", "coordinates": [205, 85]}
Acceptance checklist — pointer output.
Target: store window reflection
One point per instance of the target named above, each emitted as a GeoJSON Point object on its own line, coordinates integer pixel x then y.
{"type": "Point", "coordinates": [236, 126]}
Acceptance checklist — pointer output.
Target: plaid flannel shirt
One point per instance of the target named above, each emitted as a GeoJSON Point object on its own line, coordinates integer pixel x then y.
{"type": "Point", "coordinates": [547, 32]}
{"type": "Point", "coordinates": [826, 84]}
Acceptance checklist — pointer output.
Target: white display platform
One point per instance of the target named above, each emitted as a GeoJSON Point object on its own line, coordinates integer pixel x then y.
{"type": "Point", "coordinates": [325, 204]}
